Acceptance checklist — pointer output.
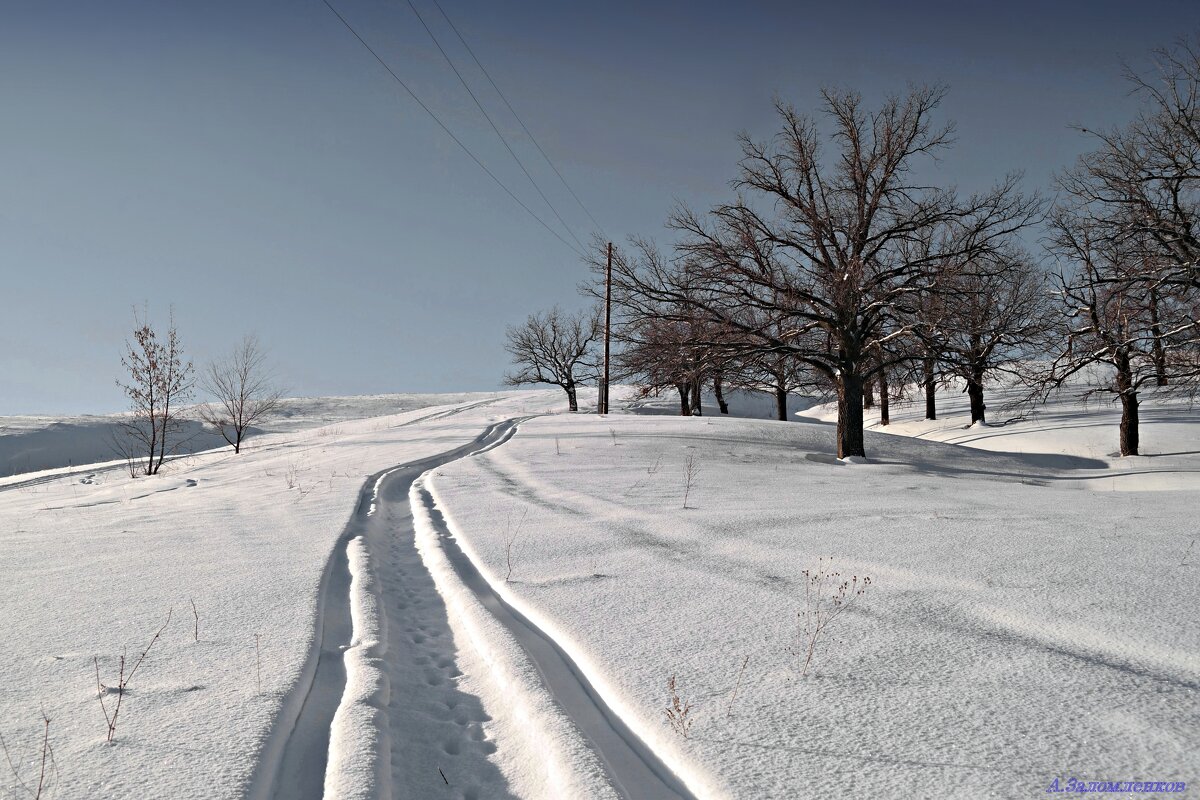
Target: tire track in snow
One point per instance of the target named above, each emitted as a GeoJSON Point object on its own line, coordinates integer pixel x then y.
{"type": "Point", "coordinates": [322, 753]}
{"type": "Point", "coordinates": [295, 760]}
{"type": "Point", "coordinates": [634, 770]}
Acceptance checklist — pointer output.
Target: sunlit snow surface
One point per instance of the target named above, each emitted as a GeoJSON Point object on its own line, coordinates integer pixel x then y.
{"type": "Point", "coordinates": [1032, 613]}
{"type": "Point", "coordinates": [90, 564]}
{"type": "Point", "coordinates": [1028, 617]}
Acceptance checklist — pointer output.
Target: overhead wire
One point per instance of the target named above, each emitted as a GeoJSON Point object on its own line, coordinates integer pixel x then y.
{"type": "Point", "coordinates": [449, 132]}
{"type": "Point", "coordinates": [513, 111]}
{"type": "Point", "coordinates": [495, 128]}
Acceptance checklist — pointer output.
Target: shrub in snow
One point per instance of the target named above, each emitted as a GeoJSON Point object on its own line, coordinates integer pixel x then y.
{"type": "Point", "coordinates": [826, 596]}
{"type": "Point", "coordinates": [678, 711]}
{"type": "Point", "coordinates": [46, 766]}
{"type": "Point", "coordinates": [122, 681]}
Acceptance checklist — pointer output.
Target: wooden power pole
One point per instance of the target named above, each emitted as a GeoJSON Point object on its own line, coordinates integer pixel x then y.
{"type": "Point", "coordinates": [602, 405]}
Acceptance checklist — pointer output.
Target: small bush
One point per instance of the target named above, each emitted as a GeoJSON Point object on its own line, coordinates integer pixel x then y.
{"type": "Point", "coordinates": [826, 596]}
{"type": "Point", "coordinates": [678, 711]}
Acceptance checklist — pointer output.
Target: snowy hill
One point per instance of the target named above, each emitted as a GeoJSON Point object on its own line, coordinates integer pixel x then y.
{"type": "Point", "coordinates": [1028, 618]}
{"type": "Point", "coordinates": [38, 443]}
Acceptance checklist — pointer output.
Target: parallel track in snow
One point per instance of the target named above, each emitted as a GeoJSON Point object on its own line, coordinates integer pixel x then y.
{"type": "Point", "coordinates": [295, 763]}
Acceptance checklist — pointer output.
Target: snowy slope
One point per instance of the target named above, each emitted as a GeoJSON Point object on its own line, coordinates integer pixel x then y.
{"type": "Point", "coordinates": [1018, 627]}
{"type": "Point", "coordinates": [1028, 618]}
{"type": "Point", "coordinates": [92, 564]}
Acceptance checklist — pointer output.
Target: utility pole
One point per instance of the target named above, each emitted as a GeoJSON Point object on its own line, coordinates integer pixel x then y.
{"type": "Point", "coordinates": [602, 405]}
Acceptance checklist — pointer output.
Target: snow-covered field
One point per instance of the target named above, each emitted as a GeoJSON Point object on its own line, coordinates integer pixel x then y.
{"type": "Point", "coordinates": [1030, 616]}
{"type": "Point", "coordinates": [1017, 628]}
{"type": "Point", "coordinates": [38, 443]}
{"type": "Point", "coordinates": [92, 564]}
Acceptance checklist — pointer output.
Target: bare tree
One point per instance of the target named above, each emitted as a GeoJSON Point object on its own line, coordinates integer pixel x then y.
{"type": "Point", "coordinates": [777, 372]}
{"type": "Point", "coordinates": [1148, 173]}
{"type": "Point", "coordinates": [929, 313]}
{"type": "Point", "coordinates": [555, 348]}
{"type": "Point", "coordinates": [657, 353]}
{"type": "Point", "coordinates": [1128, 228]}
{"type": "Point", "coordinates": [818, 246]}
{"type": "Point", "coordinates": [675, 350]}
{"type": "Point", "coordinates": [1109, 324]}
{"type": "Point", "coordinates": [243, 390]}
{"type": "Point", "coordinates": [159, 381]}
{"type": "Point", "coordinates": [995, 317]}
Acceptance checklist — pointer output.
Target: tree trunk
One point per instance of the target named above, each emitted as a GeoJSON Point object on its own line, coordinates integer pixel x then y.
{"type": "Point", "coordinates": [1159, 356]}
{"type": "Point", "coordinates": [868, 393]}
{"type": "Point", "coordinates": [165, 417]}
{"type": "Point", "coordinates": [685, 405]}
{"type": "Point", "coordinates": [884, 411]}
{"type": "Point", "coordinates": [975, 392]}
{"type": "Point", "coordinates": [149, 470]}
{"type": "Point", "coordinates": [697, 408]}
{"type": "Point", "coordinates": [162, 446]}
{"type": "Point", "coordinates": [572, 403]}
{"type": "Point", "coordinates": [1129, 424]}
{"type": "Point", "coordinates": [850, 415]}
{"type": "Point", "coordinates": [719, 391]}
{"type": "Point", "coordinates": [1129, 407]}
{"type": "Point", "coordinates": [781, 404]}
{"type": "Point", "coordinates": [930, 399]}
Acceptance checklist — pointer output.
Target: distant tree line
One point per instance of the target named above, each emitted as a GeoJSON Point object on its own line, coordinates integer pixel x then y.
{"type": "Point", "coordinates": [839, 267]}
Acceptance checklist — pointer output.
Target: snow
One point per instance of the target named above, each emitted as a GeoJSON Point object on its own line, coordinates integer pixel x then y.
{"type": "Point", "coordinates": [92, 564]}
{"type": "Point", "coordinates": [1031, 614]}
{"type": "Point", "coordinates": [505, 680]}
{"type": "Point", "coordinates": [32, 444]}
{"type": "Point", "coordinates": [358, 765]}
{"type": "Point", "coordinates": [1065, 424]}
{"type": "Point", "coordinates": [1017, 628]}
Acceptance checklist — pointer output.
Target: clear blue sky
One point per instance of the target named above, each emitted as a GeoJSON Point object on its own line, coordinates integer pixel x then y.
{"type": "Point", "coordinates": [249, 164]}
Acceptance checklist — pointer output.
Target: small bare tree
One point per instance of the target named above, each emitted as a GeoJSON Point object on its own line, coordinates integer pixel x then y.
{"type": "Point", "coordinates": [243, 390]}
{"type": "Point", "coordinates": [690, 471]}
{"type": "Point", "coordinates": [159, 381]}
{"type": "Point", "coordinates": [556, 348]}
{"type": "Point", "coordinates": [510, 541]}
{"type": "Point", "coordinates": [995, 317]}
{"type": "Point", "coordinates": [826, 595]}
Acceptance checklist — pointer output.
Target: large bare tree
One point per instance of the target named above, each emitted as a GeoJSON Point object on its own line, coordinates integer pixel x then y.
{"type": "Point", "coordinates": [243, 390]}
{"type": "Point", "coordinates": [159, 380]}
{"type": "Point", "coordinates": [817, 245]}
{"type": "Point", "coordinates": [555, 348]}
{"type": "Point", "coordinates": [1128, 231]}
{"type": "Point", "coordinates": [1116, 324]}
{"type": "Point", "coordinates": [1148, 173]}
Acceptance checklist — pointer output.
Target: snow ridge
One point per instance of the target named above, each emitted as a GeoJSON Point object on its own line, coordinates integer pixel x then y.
{"type": "Point", "coordinates": [359, 765]}
{"type": "Point", "coordinates": [550, 756]}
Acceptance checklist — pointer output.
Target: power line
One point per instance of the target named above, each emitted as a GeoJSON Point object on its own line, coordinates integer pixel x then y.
{"type": "Point", "coordinates": [448, 132]}
{"type": "Point", "coordinates": [521, 122]}
{"type": "Point", "coordinates": [491, 122]}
